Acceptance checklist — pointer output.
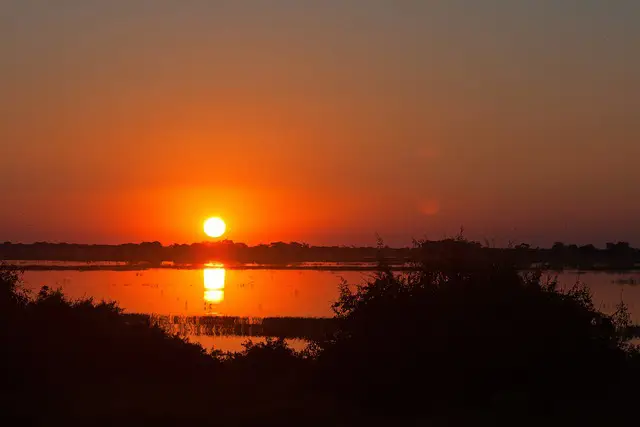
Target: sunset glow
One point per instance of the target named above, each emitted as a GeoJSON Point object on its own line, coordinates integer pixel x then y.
{"type": "Point", "coordinates": [259, 132]}
{"type": "Point", "coordinates": [245, 212]}
{"type": "Point", "coordinates": [214, 227]}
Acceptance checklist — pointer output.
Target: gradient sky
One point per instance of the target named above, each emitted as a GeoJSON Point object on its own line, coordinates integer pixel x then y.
{"type": "Point", "coordinates": [320, 121]}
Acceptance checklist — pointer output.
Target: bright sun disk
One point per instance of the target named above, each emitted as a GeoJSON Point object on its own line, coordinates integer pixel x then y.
{"type": "Point", "coordinates": [214, 227]}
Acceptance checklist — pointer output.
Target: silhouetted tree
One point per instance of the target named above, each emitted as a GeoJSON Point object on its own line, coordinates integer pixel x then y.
{"type": "Point", "coordinates": [469, 331]}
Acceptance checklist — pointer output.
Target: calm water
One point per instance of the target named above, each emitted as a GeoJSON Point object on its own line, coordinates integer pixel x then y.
{"type": "Point", "coordinates": [263, 293]}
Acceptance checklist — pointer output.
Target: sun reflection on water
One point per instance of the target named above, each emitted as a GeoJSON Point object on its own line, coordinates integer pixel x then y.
{"type": "Point", "coordinates": [214, 275]}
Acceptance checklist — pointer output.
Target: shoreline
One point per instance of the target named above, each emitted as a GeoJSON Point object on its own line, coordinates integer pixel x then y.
{"type": "Point", "coordinates": [145, 267]}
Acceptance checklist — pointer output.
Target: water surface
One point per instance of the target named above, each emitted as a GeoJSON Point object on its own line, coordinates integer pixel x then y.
{"type": "Point", "coordinates": [214, 290]}
{"type": "Point", "coordinates": [265, 293]}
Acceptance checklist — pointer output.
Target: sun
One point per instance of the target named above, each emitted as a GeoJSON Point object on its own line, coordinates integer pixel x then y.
{"type": "Point", "coordinates": [214, 227]}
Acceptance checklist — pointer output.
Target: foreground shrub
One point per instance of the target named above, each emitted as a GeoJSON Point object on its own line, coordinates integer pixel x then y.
{"type": "Point", "coordinates": [82, 360]}
{"type": "Point", "coordinates": [469, 332]}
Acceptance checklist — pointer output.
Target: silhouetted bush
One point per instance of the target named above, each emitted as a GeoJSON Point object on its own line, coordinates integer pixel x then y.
{"type": "Point", "coordinates": [81, 360]}
{"type": "Point", "coordinates": [466, 331]}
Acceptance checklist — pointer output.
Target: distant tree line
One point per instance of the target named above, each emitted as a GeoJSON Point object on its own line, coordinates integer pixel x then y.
{"type": "Point", "coordinates": [618, 255]}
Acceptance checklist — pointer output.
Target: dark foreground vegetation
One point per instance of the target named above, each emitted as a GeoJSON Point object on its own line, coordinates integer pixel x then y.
{"type": "Point", "coordinates": [462, 340]}
{"type": "Point", "coordinates": [615, 256]}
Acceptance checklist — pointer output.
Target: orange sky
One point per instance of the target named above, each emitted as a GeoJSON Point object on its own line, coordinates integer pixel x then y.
{"type": "Point", "coordinates": [323, 122]}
